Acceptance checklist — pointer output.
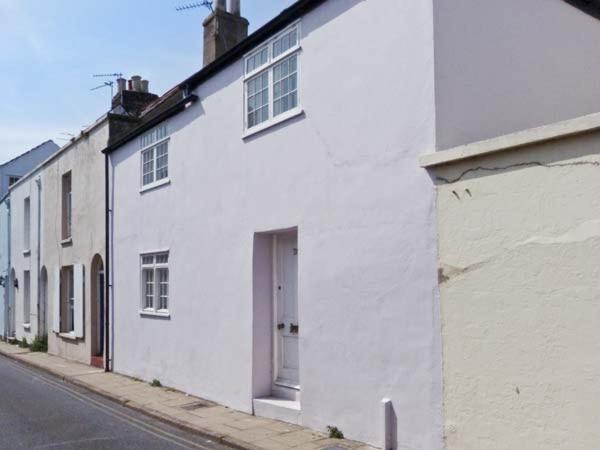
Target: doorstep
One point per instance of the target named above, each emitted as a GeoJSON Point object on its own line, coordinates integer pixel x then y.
{"type": "Point", "coordinates": [278, 409]}
{"type": "Point", "coordinates": [232, 428]}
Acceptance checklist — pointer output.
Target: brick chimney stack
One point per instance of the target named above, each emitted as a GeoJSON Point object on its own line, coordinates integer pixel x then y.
{"type": "Point", "coordinates": [223, 30]}
{"type": "Point", "coordinates": [132, 97]}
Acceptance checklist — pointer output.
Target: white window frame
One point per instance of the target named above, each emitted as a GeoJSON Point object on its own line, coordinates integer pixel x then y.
{"type": "Point", "coordinates": [13, 179]}
{"type": "Point", "coordinates": [26, 225]}
{"type": "Point", "coordinates": [268, 67]}
{"type": "Point", "coordinates": [26, 299]}
{"type": "Point", "coordinates": [149, 143]}
{"type": "Point", "coordinates": [67, 206]}
{"type": "Point", "coordinates": [155, 267]}
{"type": "Point", "coordinates": [67, 299]}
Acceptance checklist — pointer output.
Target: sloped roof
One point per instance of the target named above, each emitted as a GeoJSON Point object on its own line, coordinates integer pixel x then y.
{"type": "Point", "coordinates": [49, 143]}
{"type": "Point", "coordinates": [591, 7]}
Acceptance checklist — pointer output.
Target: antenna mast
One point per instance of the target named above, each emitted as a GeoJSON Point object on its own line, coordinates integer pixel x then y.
{"type": "Point", "coordinates": [203, 4]}
{"type": "Point", "coordinates": [107, 83]}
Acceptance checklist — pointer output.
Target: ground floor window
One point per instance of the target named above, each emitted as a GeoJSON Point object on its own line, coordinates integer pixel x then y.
{"type": "Point", "coordinates": [26, 297]}
{"type": "Point", "coordinates": [67, 300]}
{"type": "Point", "coordinates": [155, 282]}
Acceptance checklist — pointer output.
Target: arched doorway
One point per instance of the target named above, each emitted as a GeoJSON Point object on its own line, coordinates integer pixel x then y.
{"type": "Point", "coordinates": [97, 297]}
{"type": "Point", "coordinates": [10, 332]}
{"type": "Point", "coordinates": [43, 311]}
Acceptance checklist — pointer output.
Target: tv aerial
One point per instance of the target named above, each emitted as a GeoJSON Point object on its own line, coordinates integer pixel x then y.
{"type": "Point", "coordinates": [203, 4]}
{"type": "Point", "coordinates": [107, 83]}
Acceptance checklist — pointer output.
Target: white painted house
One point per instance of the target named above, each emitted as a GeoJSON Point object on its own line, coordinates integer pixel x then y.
{"type": "Point", "coordinates": [10, 173]}
{"type": "Point", "coordinates": [273, 243]}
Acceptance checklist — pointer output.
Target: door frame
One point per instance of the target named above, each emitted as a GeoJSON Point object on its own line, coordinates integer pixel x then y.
{"type": "Point", "coordinates": [275, 335]}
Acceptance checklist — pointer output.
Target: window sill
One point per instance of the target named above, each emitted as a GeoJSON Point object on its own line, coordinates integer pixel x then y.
{"type": "Point", "coordinates": [71, 336]}
{"type": "Point", "coordinates": [27, 326]}
{"type": "Point", "coordinates": [275, 121]}
{"type": "Point", "coordinates": [156, 184]}
{"type": "Point", "coordinates": [27, 252]}
{"type": "Point", "coordinates": [67, 241]}
{"type": "Point", "coordinates": [153, 313]}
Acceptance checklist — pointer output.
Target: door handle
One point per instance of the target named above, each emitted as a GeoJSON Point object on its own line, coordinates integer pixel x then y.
{"type": "Point", "coordinates": [280, 326]}
{"type": "Point", "coordinates": [294, 328]}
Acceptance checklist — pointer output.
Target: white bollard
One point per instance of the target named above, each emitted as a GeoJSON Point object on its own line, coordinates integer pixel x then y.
{"type": "Point", "coordinates": [386, 426]}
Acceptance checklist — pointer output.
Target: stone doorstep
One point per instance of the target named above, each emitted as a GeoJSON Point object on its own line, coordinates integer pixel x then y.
{"type": "Point", "coordinates": [250, 433]}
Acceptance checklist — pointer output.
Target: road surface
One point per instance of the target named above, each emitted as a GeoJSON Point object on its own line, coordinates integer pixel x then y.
{"type": "Point", "coordinates": [39, 411]}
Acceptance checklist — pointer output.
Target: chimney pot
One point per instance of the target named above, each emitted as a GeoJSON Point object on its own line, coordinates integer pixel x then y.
{"type": "Point", "coordinates": [220, 4]}
{"type": "Point", "coordinates": [137, 83]}
{"type": "Point", "coordinates": [129, 85]}
{"type": "Point", "coordinates": [145, 85]}
{"type": "Point", "coordinates": [121, 84]}
{"type": "Point", "coordinates": [234, 7]}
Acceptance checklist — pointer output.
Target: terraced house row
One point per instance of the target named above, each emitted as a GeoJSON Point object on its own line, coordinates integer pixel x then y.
{"type": "Point", "coordinates": [374, 214]}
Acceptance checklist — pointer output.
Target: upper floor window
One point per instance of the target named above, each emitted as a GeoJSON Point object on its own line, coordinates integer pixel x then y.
{"type": "Point", "coordinates": [271, 80]}
{"type": "Point", "coordinates": [27, 224]}
{"type": "Point", "coordinates": [154, 147]}
{"type": "Point", "coordinates": [12, 179]}
{"type": "Point", "coordinates": [67, 205]}
{"type": "Point", "coordinates": [155, 283]}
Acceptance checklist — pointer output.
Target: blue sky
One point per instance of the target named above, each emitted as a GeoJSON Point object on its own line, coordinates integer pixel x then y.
{"type": "Point", "coordinates": [50, 48]}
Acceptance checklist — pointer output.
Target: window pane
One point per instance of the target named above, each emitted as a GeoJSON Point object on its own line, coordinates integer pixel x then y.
{"type": "Point", "coordinates": [163, 286]}
{"type": "Point", "coordinates": [147, 260]}
{"type": "Point", "coordinates": [257, 60]}
{"type": "Point", "coordinates": [285, 94]}
{"type": "Point", "coordinates": [148, 166]}
{"type": "Point", "coordinates": [163, 258]}
{"type": "Point", "coordinates": [162, 161]}
{"type": "Point", "coordinates": [258, 99]}
{"type": "Point", "coordinates": [71, 299]}
{"type": "Point", "coordinates": [148, 280]}
{"type": "Point", "coordinates": [285, 42]}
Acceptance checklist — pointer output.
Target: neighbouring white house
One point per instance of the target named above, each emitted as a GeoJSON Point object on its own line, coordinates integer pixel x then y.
{"type": "Point", "coordinates": [10, 173]}
{"type": "Point", "coordinates": [273, 237]}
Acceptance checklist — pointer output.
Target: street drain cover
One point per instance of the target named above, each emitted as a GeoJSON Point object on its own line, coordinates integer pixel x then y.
{"type": "Point", "coordinates": [196, 405]}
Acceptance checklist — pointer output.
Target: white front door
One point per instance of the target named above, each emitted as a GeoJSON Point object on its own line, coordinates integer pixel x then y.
{"type": "Point", "coordinates": [287, 327]}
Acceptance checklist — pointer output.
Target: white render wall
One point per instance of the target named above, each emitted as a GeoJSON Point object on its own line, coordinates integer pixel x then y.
{"type": "Point", "coordinates": [520, 253]}
{"type": "Point", "coordinates": [22, 261]}
{"type": "Point", "coordinates": [504, 66]}
{"type": "Point", "coordinates": [346, 174]}
{"type": "Point", "coordinates": [4, 269]}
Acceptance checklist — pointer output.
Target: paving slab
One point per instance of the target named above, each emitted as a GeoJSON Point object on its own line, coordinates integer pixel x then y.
{"type": "Point", "coordinates": [225, 425]}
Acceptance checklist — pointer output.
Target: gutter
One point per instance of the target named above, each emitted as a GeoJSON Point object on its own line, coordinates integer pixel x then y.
{"type": "Point", "coordinates": [106, 268]}
{"type": "Point", "coordinates": [8, 273]}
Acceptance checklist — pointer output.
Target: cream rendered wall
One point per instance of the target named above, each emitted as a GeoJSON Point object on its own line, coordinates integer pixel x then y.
{"type": "Point", "coordinates": [519, 249]}
{"type": "Point", "coordinates": [86, 163]}
{"type": "Point", "coordinates": [20, 259]}
{"type": "Point", "coordinates": [346, 174]}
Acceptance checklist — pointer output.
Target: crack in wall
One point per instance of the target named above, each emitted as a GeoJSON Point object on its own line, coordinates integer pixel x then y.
{"type": "Point", "coordinates": [513, 166]}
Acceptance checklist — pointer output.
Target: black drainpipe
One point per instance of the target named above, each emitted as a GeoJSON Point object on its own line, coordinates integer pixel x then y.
{"type": "Point", "coordinates": [106, 269]}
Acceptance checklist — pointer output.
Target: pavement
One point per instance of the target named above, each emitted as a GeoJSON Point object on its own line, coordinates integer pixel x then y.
{"type": "Point", "coordinates": [218, 424]}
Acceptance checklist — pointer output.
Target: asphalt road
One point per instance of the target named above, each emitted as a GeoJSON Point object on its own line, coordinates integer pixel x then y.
{"type": "Point", "coordinates": [39, 411]}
